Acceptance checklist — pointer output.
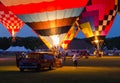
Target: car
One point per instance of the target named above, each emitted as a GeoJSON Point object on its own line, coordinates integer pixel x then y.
{"type": "Point", "coordinates": [84, 53]}
{"type": "Point", "coordinates": [35, 60]}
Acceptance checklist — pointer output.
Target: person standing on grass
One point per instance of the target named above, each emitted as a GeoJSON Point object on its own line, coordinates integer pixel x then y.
{"type": "Point", "coordinates": [75, 60]}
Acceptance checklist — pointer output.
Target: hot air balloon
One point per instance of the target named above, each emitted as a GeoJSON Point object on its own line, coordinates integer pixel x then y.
{"type": "Point", "coordinates": [97, 18]}
{"type": "Point", "coordinates": [51, 19]}
{"type": "Point", "coordinates": [10, 20]}
{"type": "Point", "coordinates": [74, 30]}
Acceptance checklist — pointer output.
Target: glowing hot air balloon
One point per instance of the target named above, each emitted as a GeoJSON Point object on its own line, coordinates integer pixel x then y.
{"type": "Point", "coordinates": [97, 18]}
{"type": "Point", "coordinates": [51, 19]}
{"type": "Point", "coordinates": [10, 20]}
{"type": "Point", "coordinates": [74, 30]}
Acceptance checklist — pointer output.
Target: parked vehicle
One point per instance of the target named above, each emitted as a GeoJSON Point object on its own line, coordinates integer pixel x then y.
{"type": "Point", "coordinates": [84, 53]}
{"type": "Point", "coordinates": [35, 60]}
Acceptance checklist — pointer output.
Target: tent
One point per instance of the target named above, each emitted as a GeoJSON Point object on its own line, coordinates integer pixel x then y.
{"type": "Point", "coordinates": [17, 49]}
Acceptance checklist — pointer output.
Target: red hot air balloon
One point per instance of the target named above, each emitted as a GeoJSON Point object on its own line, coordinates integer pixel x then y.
{"type": "Point", "coordinates": [97, 19]}
{"type": "Point", "coordinates": [10, 20]}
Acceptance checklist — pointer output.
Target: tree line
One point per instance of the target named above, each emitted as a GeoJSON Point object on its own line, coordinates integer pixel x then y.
{"type": "Point", "coordinates": [35, 42]}
{"type": "Point", "coordinates": [28, 42]}
{"type": "Point", "coordinates": [109, 43]}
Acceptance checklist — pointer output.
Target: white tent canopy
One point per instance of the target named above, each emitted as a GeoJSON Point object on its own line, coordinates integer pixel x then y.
{"type": "Point", "coordinates": [17, 49]}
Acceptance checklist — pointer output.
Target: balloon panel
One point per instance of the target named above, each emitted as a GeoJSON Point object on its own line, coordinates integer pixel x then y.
{"type": "Point", "coordinates": [86, 28]}
{"type": "Point", "coordinates": [100, 15]}
{"type": "Point", "coordinates": [53, 31]}
{"type": "Point", "coordinates": [33, 6]}
{"type": "Point", "coordinates": [49, 41]}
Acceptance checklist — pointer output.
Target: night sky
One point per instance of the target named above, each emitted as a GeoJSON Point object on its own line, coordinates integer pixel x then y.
{"type": "Point", "coordinates": [27, 31]}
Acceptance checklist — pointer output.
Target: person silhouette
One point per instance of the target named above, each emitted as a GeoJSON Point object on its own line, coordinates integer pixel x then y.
{"type": "Point", "coordinates": [75, 62]}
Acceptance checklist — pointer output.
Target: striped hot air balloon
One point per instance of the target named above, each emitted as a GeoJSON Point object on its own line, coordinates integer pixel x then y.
{"type": "Point", "coordinates": [97, 19]}
{"type": "Point", "coordinates": [74, 30]}
{"type": "Point", "coordinates": [51, 19]}
{"type": "Point", "coordinates": [11, 22]}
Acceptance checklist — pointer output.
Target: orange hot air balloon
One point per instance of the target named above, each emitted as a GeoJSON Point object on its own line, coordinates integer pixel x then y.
{"type": "Point", "coordinates": [97, 19]}
{"type": "Point", "coordinates": [10, 20]}
{"type": "Point", "coordinates": [51, 19]}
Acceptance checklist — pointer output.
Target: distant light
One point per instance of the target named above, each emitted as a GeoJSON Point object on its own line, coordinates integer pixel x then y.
{"type": "Point", "coordinates": [26, 56]}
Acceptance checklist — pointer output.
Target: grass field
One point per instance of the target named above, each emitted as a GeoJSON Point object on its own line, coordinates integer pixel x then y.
{"type": "Point", "coordinates": [92, 70]}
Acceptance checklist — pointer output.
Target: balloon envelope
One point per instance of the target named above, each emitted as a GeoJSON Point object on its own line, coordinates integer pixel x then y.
{"type": "Point", "coordinates": [97, 18]}
{"type": "Point", "coordinates": [51, 19]}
